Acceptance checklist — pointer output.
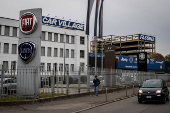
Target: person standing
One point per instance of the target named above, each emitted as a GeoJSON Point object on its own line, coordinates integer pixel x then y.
{"type": "Point", "coordinates": [96, 82]}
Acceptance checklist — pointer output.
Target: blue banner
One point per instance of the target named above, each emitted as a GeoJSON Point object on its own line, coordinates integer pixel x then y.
{"type": "Point", "coordinates": [98, 55]}
{"type": "Point", "coordinates": [62, 23]}
{"type": "Point", "coordinates": [125, 62]}
{"type": "Point", "coordinates": [146, 38]}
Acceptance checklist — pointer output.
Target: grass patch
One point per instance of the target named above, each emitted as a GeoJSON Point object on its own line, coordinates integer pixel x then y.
{"type": "Point", "coordinates": [14, 97]}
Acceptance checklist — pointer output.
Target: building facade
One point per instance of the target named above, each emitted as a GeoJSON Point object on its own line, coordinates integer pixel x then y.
{"type": "Point", "coordinates": [54, 40]}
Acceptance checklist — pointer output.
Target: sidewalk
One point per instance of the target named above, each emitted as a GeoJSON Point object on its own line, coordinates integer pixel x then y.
{"type": "Point", "coordinates": [67, 105]}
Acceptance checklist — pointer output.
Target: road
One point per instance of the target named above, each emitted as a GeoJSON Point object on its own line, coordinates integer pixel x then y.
{"type": "Point", "coordinates": [131, 105]}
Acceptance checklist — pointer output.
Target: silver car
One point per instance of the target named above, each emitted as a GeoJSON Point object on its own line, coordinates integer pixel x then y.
{"type": "Point", "coordinates": [9, 85]}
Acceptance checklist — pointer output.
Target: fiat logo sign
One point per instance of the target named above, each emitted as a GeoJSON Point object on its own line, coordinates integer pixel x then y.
{"type": "Point", "coordinates": [28, 23]}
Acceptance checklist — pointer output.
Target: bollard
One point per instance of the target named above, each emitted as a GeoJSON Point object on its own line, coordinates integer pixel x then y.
{"type": "Point", "coordinates": [106, 94]}
{"type": "Point", "coordinates": [133, 89]}
{"type": "Point", "coordinates": [126, 91]}
{"type": "Point", "coordinates": [79, 82]}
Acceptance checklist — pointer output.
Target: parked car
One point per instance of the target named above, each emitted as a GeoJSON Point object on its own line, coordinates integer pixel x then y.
{"type": "Point", "coordinates": [8, 85]}
{"type": "Point", "coordinates": [153, 90]}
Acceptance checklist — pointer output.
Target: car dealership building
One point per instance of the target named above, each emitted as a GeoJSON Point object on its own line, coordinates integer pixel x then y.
{"type": "Point", "coordinates": [57, 36]}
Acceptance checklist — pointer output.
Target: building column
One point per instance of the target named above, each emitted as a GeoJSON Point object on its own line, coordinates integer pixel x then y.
{"type": "Point", "coordinates": [53, 37]}
{"type": "Point", "coordinates": [46, 35]}
{"type": "Point", "coordinates": [10, 31]}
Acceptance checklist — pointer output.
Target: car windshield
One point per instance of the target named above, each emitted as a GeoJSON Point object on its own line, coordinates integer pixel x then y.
{"type": "Point", "coordinates": [151, 84]}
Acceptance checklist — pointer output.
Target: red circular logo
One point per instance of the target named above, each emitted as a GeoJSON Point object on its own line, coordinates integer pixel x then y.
{"type": "Point", "coordinates": [28, 23]}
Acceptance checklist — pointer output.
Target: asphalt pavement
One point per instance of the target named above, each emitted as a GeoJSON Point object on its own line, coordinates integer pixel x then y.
{"type": "Point", "coordinates": [131, 105]}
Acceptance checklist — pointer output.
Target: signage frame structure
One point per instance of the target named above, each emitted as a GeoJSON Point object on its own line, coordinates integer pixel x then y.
{"type": "Point", "coordinates": [29, 86]}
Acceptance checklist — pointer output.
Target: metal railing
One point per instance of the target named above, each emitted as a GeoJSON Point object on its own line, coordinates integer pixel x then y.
{"type": "Point", "coordinates": [52, 83]}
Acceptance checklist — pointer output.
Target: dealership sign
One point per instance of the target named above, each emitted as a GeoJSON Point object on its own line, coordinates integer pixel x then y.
{"type": "Point", "coordinates": [146, 38]}
{"type": "Point", "coordinates": [62, 23]}
{"type": "Point", "coordinates": [27, 51]}
{"type": "Point", "coordinates": [125, 62]}
{"type": "Point", "coordinates": [28, 23]}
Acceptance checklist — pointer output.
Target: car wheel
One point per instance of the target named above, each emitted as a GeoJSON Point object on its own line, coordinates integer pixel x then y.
{"type": "Point", "coordinates": [139, 101]}
{"type": "Point", "coordinates": [163, 100]}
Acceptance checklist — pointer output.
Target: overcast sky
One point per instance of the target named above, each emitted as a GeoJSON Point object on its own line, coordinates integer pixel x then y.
{"type": "Point", "coordinates": [121, 17]}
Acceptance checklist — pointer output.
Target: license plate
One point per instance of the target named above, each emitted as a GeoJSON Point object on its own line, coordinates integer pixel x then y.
{"type": "Point", "coordinates": [148, 96]}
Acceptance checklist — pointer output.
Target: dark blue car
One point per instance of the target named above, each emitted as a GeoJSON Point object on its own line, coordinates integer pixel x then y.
{"type": "Point", "coordinates": [153, 90]}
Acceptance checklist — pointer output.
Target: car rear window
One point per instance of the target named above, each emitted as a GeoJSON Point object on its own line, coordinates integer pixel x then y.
{"type": "Point", "coordinates": [152, 84]}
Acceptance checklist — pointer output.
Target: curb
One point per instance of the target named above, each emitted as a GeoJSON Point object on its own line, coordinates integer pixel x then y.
{"type": "Point", "coordinates": [48, 99]}
{"type": "Point", "coordinates": [104, 103]}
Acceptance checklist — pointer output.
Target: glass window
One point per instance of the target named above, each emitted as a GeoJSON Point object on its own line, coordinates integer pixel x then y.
{"type": "Point", "coordinates": [67, 38]}
{"type": "Point", "coordinates": [42, 51]}
{"type": "Point", "coordinates": [81, 40]}
{"type": "Point", "coordinates": [152, 84]}
{"type": "Point", "coordinates": [6, 47]}
{"type": "Point", "coordinates": [49, 36]}
{"type": "Point", "coordinates": [72, 53]}
{"type": "Point", "coordinates": [55, 66]}
{"type": "Point", "coordinates": [55, 52]}
{"type": "Point", "coordinates": [66, 67]}
{"type": "Point", "coordinates": [0, 29]}
{"type": "Point", "coordinates": [61, 52]}
{"type": "Point", "coordinates": [72, 67]}
{"type": "Point", "coordinates": [67, 53]}
{"type": "Point", "coordinates": [13, 63]}
{"type": "Point", "coordinates": [6, 30]}
{"type": "Point", "coordinates": [48, 66]}
{"type": "Point", "coordinates": [14, 48]}
{"type": "Point", "coordinates": [81, 53]}
{"type": "Point", "coordinates": [42, 66]}
{"type": "Point", "coordinates": [81, 67]}
{"type": "Point", "coordinates": [5, 64]}
{"type": "Point", "coordinates": [55, 37]}
{"type": "Point", "coordinates": [0, 47]}
{"type": "Point", "coordinates": [49, 51]}
{"type": "Point", "coordinates": [15, 31]}
{"type": "Point", "coordinates": [61, 38]}
{"type": "Point", "coordinates": [43, 35]}
{"type": "Point", "coordinates": [72, 39]}
{"type": "Point", "coordinates": [60, 67]}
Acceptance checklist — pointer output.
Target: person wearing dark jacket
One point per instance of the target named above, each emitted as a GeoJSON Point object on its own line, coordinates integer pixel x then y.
{"type": "Point", "coordinates": [96, 82]}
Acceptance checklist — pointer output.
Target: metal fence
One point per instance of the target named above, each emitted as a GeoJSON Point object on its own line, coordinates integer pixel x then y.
{"type": "Point", "coordinates": [53, 83]}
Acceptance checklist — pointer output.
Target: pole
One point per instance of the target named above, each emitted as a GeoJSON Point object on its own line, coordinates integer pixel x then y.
{"type": "Point", "coordinates": [126, 90]}
{"type": "Point", "coordinates": [102, 57]}
{"type": "Point", "coordinates": [2, 75]}
{"type": "Point", "coordinates": [88, 76]}
{"type": "Point", "coordinates": [64, 61]}
{"type": "Point", "coordinates": [67, 82]}
{"type": "Point", "coordinates": [106, 94]}
{"type": "Point", "coordinates": [95, 55]}
{"type": "Point", "coordinates": [10, 84]}
{"type": "Point", "coordinates": [79, 81]}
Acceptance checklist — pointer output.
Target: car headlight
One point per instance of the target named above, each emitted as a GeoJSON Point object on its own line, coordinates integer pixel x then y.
{"type": "Point", "coordinates": [158, 91]}
{"type": "Point", "coordinates": [140, 91]}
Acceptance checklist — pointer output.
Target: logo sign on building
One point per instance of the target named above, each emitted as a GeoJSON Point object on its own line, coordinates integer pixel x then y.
{"type": "Point", "coordinates": [62, 23]}
{"type": "Point", "coordinates": [142, 61]}
{"type": "Point", "coordinates": [28, 23]}
{"type": "Point", "coordinates": [27, 51]}
{"type": "Point", "coordinates": [109, 56]}
{"type": "Point", "coordinates": [146, 38]}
